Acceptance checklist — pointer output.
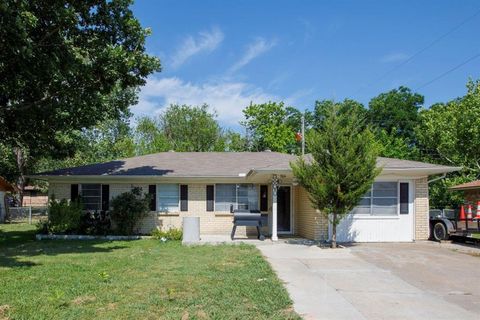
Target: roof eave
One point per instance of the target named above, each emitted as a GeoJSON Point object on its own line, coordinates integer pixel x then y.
{"type": "Point", "coordinates": [135, 177]}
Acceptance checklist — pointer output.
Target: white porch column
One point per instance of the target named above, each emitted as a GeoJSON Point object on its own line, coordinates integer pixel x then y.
{"type": "Point", "coordinates": [274, 207]}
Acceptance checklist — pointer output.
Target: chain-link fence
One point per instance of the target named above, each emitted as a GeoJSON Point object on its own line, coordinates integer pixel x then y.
{"type": "Point", "coordinates": [26, 213]}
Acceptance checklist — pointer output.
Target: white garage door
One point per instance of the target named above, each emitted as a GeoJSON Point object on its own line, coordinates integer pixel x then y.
{"type": "Point", "coordinates": [385, 214]}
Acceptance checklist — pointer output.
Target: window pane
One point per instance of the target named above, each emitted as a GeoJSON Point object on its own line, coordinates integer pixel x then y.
{"type": "Point", "coordinates": [384, 189]}
{"type": "Point", "coordinates": [384, 198]}
{"type": "Point", "coordinates": [168, 197]}
{"type": "Point", "coordinates": [363, 206]}
{"type": "Point", "coordinates": [225, 195]}
{"type": "Point", "coordinates": [91, 196]}
{"type": "Point", "coordinates": [404, 198]}
{"type": "Point", "coordinates": [361, 210]}
{"type": "Point", "coordinates": [247, 197]}
{"type": "Point", "coordinates": [384, 206]}
{"type": "Point", "coordinates": [252, 197]}
{"type": "Point", "coordinates": [384, 210]}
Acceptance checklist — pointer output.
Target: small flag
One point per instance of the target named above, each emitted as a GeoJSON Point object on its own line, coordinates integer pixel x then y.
{"type": "Point", "coordinates": [298, 136]}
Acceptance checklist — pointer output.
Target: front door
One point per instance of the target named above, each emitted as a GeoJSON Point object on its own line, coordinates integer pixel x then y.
{"type": "Point", "coordinates": [283, 209]}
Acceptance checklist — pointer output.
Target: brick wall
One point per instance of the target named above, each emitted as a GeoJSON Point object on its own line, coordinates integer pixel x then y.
{"type": "Point", "coordinates": [422, 226]}
{"type": "Point", "coordinates": [59, 190]}
{"type": "Point", "coordinates": [218, 223]}
{"type": "Point", "coordinates": [309, 222]}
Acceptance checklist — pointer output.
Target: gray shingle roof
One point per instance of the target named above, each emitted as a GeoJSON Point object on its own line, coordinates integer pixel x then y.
{"type": "Point", "coordinates": [212, 164]}
{"type": "Point", "coordinates": [392, 163]}
{"type": "Point", "coordinates": [182, 164]}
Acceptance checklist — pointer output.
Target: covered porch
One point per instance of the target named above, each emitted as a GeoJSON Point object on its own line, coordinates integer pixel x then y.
{"type": "Point", "coordinates": [290, 213]}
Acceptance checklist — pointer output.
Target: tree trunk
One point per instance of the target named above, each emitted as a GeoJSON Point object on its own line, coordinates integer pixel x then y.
{"type": "Point", "coordinates": [334, 231]}
{"type": "Point", "coordinates": [21, 166]}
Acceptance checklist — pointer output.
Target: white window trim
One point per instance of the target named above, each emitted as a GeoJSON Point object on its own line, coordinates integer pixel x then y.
{"type": "Point", "coordinates": [157, 194]}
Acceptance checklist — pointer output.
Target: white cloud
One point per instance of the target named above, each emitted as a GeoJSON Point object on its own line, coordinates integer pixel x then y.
{"type": "Point", "coordinates": [394, 57]}
{"type": "Point", "coordinates": [205, 41]}
{"type": "Point", "coordinates": [228, 98]}
{"type": "Point", "coordinates": [254, 49]}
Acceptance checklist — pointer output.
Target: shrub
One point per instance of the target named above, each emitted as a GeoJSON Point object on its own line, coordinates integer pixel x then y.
{"type": "Point", "coordinates": [127, 209]}
{"type": "Point", "coordinates": [96, 223]}
{"type": "Point", "coordinates": [64, 216]}
{"type": "Point", "coordinates": [171, 234]}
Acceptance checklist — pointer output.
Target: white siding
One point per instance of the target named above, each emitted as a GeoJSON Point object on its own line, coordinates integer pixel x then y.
{"type": "Point", "coordinates": [369, 228]}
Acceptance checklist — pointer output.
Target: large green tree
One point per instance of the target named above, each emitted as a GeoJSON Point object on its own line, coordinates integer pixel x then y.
{"type": "Point", "coordinates": [396, 111]}
{"type": "Point", "coordinates": [66, 66]}
{"type": "Point", "coordinates": [449, 134]}
{"type": "Point", "coordinates": [342, 167]}
{"type": "Point", "coordinates": [109, 140]}
{"type": "Point", "coordinates": [323, 108]}
{"type": "Point", "coordinates": [269, 127]}
{"type": "Point", "coordinates": [191, 128]}
{"type": "Point", "coordinates": [149, 137]}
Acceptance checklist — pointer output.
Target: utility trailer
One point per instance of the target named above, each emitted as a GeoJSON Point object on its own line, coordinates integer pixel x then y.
{"type": "Point", "coordinates": [445, 224]}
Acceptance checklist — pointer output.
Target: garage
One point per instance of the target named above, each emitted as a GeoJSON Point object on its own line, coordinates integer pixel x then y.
{"type": "Point", "coordinates": [385, 214]}
{"type": "Point", "coordinates": [395, 209]}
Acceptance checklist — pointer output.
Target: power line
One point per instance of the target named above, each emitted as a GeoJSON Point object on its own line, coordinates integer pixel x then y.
{"type": "Point", "coordinates": [435, 41]}
{"type": "Point", "coordinates": [448, 71]}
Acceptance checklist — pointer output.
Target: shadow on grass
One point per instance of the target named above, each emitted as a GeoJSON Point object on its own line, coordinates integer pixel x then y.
{"type": "Point", "coordinates": [16, 246]}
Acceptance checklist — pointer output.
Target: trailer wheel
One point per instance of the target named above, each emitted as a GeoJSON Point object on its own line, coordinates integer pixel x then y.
{"type": "Point", "coordinates": [439, 231]}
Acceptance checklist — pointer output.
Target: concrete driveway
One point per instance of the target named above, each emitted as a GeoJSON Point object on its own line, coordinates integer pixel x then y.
{"type": "Point", "coordinates": [379, 281]}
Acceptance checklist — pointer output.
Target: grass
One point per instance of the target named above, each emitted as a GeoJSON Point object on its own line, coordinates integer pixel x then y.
{"type": "Point", "coordinates": [143, 279]}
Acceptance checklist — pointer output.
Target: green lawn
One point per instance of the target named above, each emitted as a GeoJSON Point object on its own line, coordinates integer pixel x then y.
{"type": "Point", "coordinates": [143, 279]}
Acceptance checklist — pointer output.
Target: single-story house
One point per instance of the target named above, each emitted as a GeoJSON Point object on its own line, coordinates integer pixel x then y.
{"type": "Point", "coordinates": [206, 184]}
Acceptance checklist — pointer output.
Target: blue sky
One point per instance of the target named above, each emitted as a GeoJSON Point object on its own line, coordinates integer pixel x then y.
{"type": "Point", "coordinates": [228, 53]}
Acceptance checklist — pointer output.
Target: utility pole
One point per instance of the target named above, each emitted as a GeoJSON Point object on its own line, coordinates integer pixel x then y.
{"type": "Point", "coordinates": [303, 133]}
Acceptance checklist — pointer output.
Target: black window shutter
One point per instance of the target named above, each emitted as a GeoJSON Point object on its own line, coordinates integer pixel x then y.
{"type": "Point", "coordinates": [404, 198]}
{"type": "Point", "coordinates": [152, 191]}
{"type": "Point", "coordinates": [263, 198]}
{"type": "Point", "coordinates": [105, 197]}
{"type": "Point", "coordinates": [210, 200]}
{"type": "Point", "coordinates": [74, 192]}
{"type": "Point", "coordinates": [184, 197]}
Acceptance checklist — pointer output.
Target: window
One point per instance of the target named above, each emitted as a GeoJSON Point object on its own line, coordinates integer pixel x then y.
{"type": "Point", "coordinates": [381, 200]}
{"type": "Point", "coordinates": [384, 199]}
{"type": "Point", "coordinates": [168, 197]}
{"type": "Point", "coordinates": [404, 198]}
{"type": "Point", "coordinates": [241, 196]}
{"type": "Point", "coordinates": [263, 198]}
{"type": "Point", "coordinates": [91, 196]}
{"type": "Point", "coordinates": [365, 204]}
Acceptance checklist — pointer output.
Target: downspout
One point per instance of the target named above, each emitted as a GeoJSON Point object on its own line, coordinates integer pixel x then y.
{"type": "Point", "coordinates": [443, 176]}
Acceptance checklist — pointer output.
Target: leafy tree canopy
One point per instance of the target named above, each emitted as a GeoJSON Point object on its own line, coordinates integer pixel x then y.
{"type": "Point", "coordinates": [449, 133]}
{"type": "Point", "coordinates": [66, 66]}
{"type": "Point", "coordinates": [324, 107]}
{"type": "Point", "coordinates": [395, 146]}
{"type": "Point", "coordinates": [268, 127]}
{"type": "Point", "coordinates": [191, 128]}
{"type": "Point", "coordinates": [149, 137]}
{"type": "Point", "coordinates": [396, 112]}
